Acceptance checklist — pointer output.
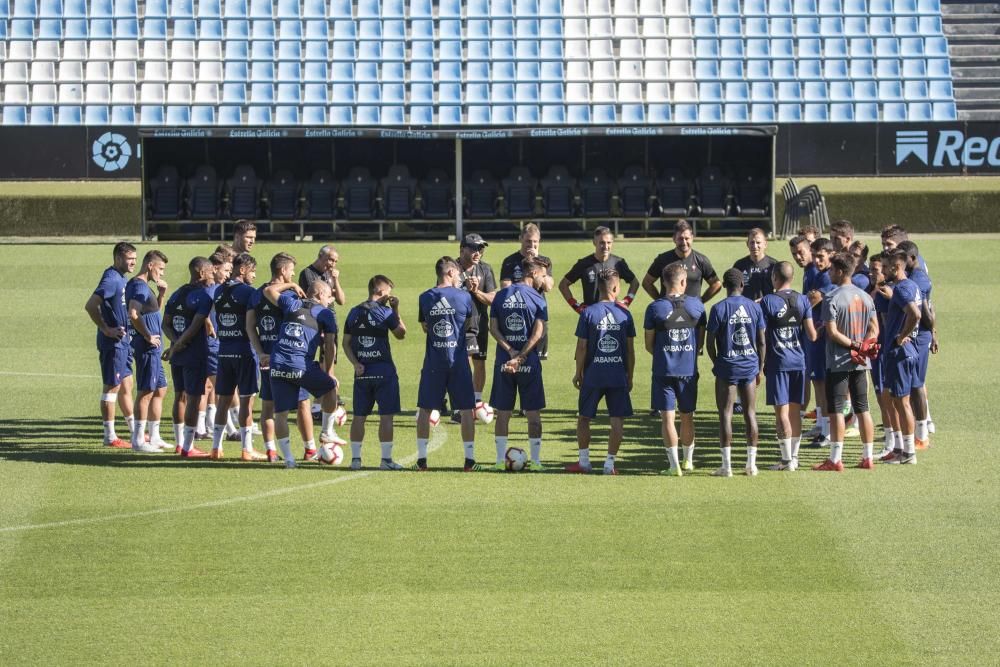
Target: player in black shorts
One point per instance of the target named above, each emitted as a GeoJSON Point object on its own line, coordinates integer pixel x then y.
{"type": "Point", "coordinates": [587, 269]}
{"type": "Point", "coordinates": [699, 268]}
{"type": "Point", "coordinates": [511, 272]}
{"type": "Point", "coordinates": [478, 280]}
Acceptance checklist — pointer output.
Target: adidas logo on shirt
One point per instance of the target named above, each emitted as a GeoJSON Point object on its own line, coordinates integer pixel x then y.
{"type": "Point", "coordinates": [442, 307]}
{"type": "Point", "coordinates": [741, 316]}
{"type": "Point", "coordinates": [608, 323]}
{"type": "Point", "coordinates": [515, 300]}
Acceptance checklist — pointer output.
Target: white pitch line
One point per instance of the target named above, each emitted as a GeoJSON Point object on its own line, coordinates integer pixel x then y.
{"type": "Point", "coordinates": [437, 439]}
{"type": "Point", "coordinates": [50, 375]}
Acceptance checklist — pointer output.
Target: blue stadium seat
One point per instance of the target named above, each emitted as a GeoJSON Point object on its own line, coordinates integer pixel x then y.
{"type": "Point", "coordinates": [42, 115]}
{"type": "Point", "coordinates": [782, 49]}
{"type": "Point", "coordinates": [96, 115]}
{"type": "Point", "coordinates": [907, 25]}
{"type": "Point", "coordinates": [758, 70]}
{"type": "Point", "coordinates": [686, 113]}
{"type": "Point", "coordinates": [789, 113]}
{"type": "Point", "coordinates": [835, 70]}
{"type": "Point", "coordinates": [810, 70]}
{"type": "Point", "coordinates": [943, 111]}
{"type": "Point", "coordinates": [340, 116]}
{"type": "Point", "coordinates": [866, 112]}
{"type": "Point", "coordinates": [841, 91]}
{"type": "Point", "coordinates": [229, 115]}
{"type": "Point", "coordinates": [369, 115]}
{"type": "Point", "coordinates": [289, 93]}
{"type": "Point", "coordinates": [762, 91]}
{"type": "Point", "coordinates": [816, 113]}
{"type": "Point", "coordinates": [914, 69]}
{"type": "Point", "coordinates": [633, 113]}
{"type": "Point", "coordinates": [69, 115]}
{"type": "Point", "coordinates": [941, 90]}
{"type": "Point", "coordinates": [578, 114]}
{"type": "Point", "coordinates": [755, 8]}
{"type": "Point", "coordinates": [890, 91]}
{"type": "Point", "coordinates": [919, 112]}
{"type": "Point", "coordinates": [123, 115]}
{"type": "Point", "coordinates": [502, 114]}
{"type": "Point", "coordinates": [286, 115]}
{"type": "Point", "coordinates": [894, 112]}
{"type": "Point", "coordinates": [424, 115]}
{"type": "Point", "coordinates": [151, 115]}
{"type": "Point", "coordinates": [659, 113]}
{"type": "Point", "coordinates": [789, 91]}
{"type": "Point", "coordinates": [865, 91]}
{"type": "Point", "coordinates": [762, 113]}
{"type": "Point", "coordinates": [855, 7]}
{"type": "Point", "coordinates": [178, 115]}
{"type": "Point", "coordinates": [736, 113]}
{"type": "Point", "coordinates": [915, 91]}
{"type": "Point", "coordinates": [757, 27]}
{"type": "Point", "coordinates": [815, 91]}
{"type": "Point", "coordinates": [527, 114]}
{"type": "Point", "coordinates": [862, 69]}
{"type": "Point", "coordinates": [553, 114]}
{"type": "Point", "coordinates": [783, 70]}
{"type": "Point", "coordinates": [313, 115]}
{"type": "Point", "coordinates": [841, 112]}
{"type": "Point", "coordinates": [887, 69]}
{"type": "Point", "coordinates": [930, 25]}
{"type": "Point", "coordinates": [810, 48]}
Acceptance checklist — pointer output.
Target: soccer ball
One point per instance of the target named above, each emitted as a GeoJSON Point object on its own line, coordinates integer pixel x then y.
{"type": "Point", "coordinates": [515, 459]}
{"type": "Point", "coordinates": [340, 416]}
{"type": "Point", "coordinates": [484, 412]}
{"type": "Point", "coordinates": [435, 417]}
{"type": "Point", "coordinates": [331, 454]}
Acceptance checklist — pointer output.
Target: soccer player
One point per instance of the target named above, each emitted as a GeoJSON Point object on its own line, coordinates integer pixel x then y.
{"type": "Point", "coordinates": [445, 313]}
{"type": "Point", "coordinates": [325, 268]}
{"type": "Point", "coordinates": [237, 362]}
{"type": "Point", "coordinates": [107, 310]}
{"type": "Point", "coordinates": [222, 268]}
{"type": "Point", "coordinates": [861, 278]}
{"type": "Point", "coordinates": [699, 268]}
{"type": "Point", "coordinates": [189, 329]}
{"type": "Point", "coordinates": [756, 267]}
{"type": "Point", "coordinates": [788, 317]}
{"type": "Point", "coordinates": [478, 280]}
{"type": "Point", "coordinates": [589, 268]}
{"type": "Point", "coordinates": [366, 346]}
{"type": "Point", "coordinates": [605, 360]}
{"type": "Point", "coordinates": [736, 347]}
{"type": "Point", "coordinates": [674, 334]}
{"type": "Point", "coordinates": [263, 323]}
{"type": "Point", "coordinates": [818, 286]}
{"type": "Point", "coordinates": [517, 318]}
{"type": "Point", "coordinates": [244, 236]}
{"type": "Point", "coordinates": [901, 355]}
{"type": "Point", "coordinates": [293, 358]}
{"type": "Point", "coordinates": [925, 339]}
{"type": "Point", "coordinates": [144, 295]}
{"type": "Point", "coordinates": [851, 326]}
{"type": "Point", "coordinates": [510, 272]}
{"type": "Point", "coordinates": [892, 236]}
{"type": "Point", "coordinates": [809, 232]}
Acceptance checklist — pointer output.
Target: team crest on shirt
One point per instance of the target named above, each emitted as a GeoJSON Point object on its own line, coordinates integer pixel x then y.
{"type": "Point", "coordinates": [679, 335]}
{"type": "Point", "coordinates": [514, 322]}
{"type": "Point", "coordinates": [267, 323]}
{"type": "Point", "coordinates": [178, 322]}
{"type": "Point", "coordinates": [591, 275]}
{"type": "Point", "coordinates": [228, 319]}
{"type": "Point", "coordinates": [443, 329]}
{"type": "Point", "coordinates": [741, 338]}
{"type": "Point", "coordinates": [367, 341]}
{"type": "Point", "coordinates": [293, 330]}
{"type": "Point", "coordinates": [607, 344]}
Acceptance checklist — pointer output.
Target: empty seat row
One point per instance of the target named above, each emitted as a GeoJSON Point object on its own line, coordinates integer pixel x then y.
{"type": "Point", "coordinates": [284, 115]}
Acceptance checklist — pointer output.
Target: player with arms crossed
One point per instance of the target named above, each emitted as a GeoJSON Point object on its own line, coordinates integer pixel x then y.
{"type": "Point", "coordinates": [699, 268]}
{"type": "Point", "coordinates": [901, 354]}
{"type": "Point", "coordinates": [366, 346]}
{"type": "Point", "coordinates": [150, 381]}
{"type": "Point", "coordinates": [851, 340]}
{"type": "Point", "coordinates": [605, 360]}
{"type": "Point", "coordinates": [188, 329]}
{"type": "Point", "coordinates": [736, 347]}
{"type": "Point", "coordinates": [756, 267]}
{"type": "Point", "coordinates": [106, 308]}
{"type": "Point", "coordinates": [445, 311]}
{"type": "Point", "coordinates": [788, 316]}
{"type": "Point", "coordinates": [237, 362]}
{"type": "Point", "coordinates": [675, 333]}
{"type": "Point", "coordinates": [517, 319]}
{"type": "Point", "coordinates": [588, 270]}
{"type": "Point", "coordinates": [307, 321]}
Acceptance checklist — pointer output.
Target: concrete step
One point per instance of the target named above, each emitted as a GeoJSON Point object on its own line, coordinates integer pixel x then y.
{"type": "Point", "coordinates": [971, 73]}
{"type": "Point", "coordinates": [978, 28]}
{"type": "Point", "coordinates": [973, 40]}
{"type": "Point", "coordinates": [978, 105]}
{"type": "Point", "coordinates": [977, 94]}
{"type": "Point", "coordinates": [979, 114]}
{"type": "Point", "coordinates": [963, 19]}
{"type": "Point", "coordinates": [948, 11]}
{"type": "Point", "coordinates": [961, 53]}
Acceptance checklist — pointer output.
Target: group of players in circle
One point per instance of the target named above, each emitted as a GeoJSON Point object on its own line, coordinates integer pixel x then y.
{"type": "Point", "coordinates": [857, 316]}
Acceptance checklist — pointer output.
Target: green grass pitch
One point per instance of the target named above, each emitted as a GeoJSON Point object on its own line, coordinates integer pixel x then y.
{"type": "Point", "coordinates": [106, 557]}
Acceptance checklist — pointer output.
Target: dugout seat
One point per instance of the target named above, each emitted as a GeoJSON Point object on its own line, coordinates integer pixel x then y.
{"type": "Point", "coordinates": [398, 192]}
{"type": "Point", "coordinates": [281, 193]}
{"type": "Point", "coordinates": [753, 194]}
{"type": "Point", "coordinates": [519, 193]}
{"type": "Point", "coordinates": [243, 193]}
{"type": "Point", "coordinates": [164, 199]}
{"type": "Point", "coordinates": [481, 191]}
{"type": "Point", "coordinates": [558, 193]}
{"type": "Point", "coordinates": [359, 194]}
{"type": "Point", "coordinates": [203, 190]}
{"type": "Point", "coordinates": [436, 195]}
{"type": "Point", "coordinates": [674, 193]}
{"type": "Point", "coordinates": [595, 193]}
{"type": "Point", "coordinates": [713, 192]}
{"type": "Point", "coordinates": [634, 192]}
{"type": "Point", "coordinates": [320, 195]}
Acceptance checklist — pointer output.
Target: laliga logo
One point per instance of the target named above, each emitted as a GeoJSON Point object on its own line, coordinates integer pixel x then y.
{"type": "Point", "coordinates": [267, 323]}
{"type": "Point", "coordinates": [443, 329]}
{"type": "Point", "coordinates": [679, 335]}
{"type": "Point", "coordinates": [111, 152]}
{"type": "Point", "coordinates": [952, 149]}
{"type": "Point", "coordinates": [227, 319]}
{"type": "Point", "coordinates": [514, 322]}
{"type": "Point", "coordinates": [607, 344]}
{"type": "Point", "coordinates": [367, 341]}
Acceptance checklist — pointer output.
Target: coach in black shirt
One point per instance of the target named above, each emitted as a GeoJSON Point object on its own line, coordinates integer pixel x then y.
{"type": "Point", "coordinates": [699, 268]}
{"type": "Point", "coordinates": [510, 272]}
{"type": "Point", "coordinates": [756, 267]}
{"type": "Point", "coordinates": [325, 269]}
{"type": "Point", "coordinates": [587, 269]}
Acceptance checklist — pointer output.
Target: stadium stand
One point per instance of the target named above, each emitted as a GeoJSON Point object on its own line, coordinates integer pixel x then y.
{"type": "Point", "coordinates": [491, 62]}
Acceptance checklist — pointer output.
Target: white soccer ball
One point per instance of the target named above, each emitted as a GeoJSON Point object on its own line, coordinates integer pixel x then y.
{"type": "Point", "coordinates": [435, 417]}
{"type": "Point", "coordinates": [484, 412]}
{"type": "Point", "coordinates": [331, 454]}
{"type": "Point", "coordinates": [515, 459]}
{"type": "Point", "coordinates": [340, 416]}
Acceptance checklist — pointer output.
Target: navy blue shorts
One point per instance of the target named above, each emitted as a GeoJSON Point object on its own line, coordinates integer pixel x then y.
{"type": "Point", "coordinates": [670, 393]}
{"type": "Point", "coordinates": [816, 360]}
{"type": "Point", "coordinates": [376, 388]}
{"type": "Point", "coordinates": [456, 381]}
{"type": "Point", "coordinates": [784, 387]}
{"type": "Point", "coordinates": [189, 379]}
{"type": "Point", "coordinates": [878, 373]}
{"type": "Point", "coordinates": [237, 372]}
{"type": "Point", "coordinates": [923, 360]}
{"type": "Point", "coordinates": [265, 385]}
{"type": "Point", "coordinates": [212, 364]}
{"type": "Point", "coordinates": [616, 400]}
{"type": "Point", "coordinates": [115, 365]}
{"type": "Point", "coordinates": [149, 375]}
{"type": "Point", "coordinates": [901, 370]}
{"type": "Point", "coordinates": [289, 385]}
{"type": "Point", "coordinates": [526, 383]}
